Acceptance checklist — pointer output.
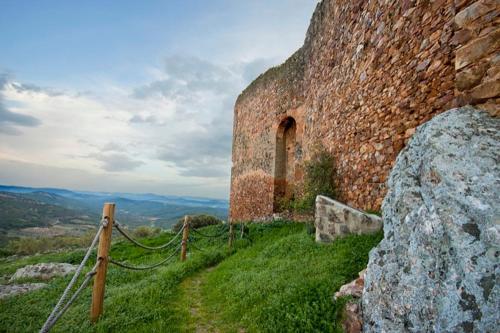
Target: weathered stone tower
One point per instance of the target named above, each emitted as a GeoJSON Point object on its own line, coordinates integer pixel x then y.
{"type": "Point", "coordinates": [368, 73]}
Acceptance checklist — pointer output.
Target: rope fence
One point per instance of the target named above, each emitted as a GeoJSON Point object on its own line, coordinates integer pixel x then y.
{"type": "Point", "coordinates": [221, 233]}
{"type": "Point", "coordinates": [143, 268]}
{"type": "Point", "coordinates": [191, 244]}
{"type": "Point", "coordinates": [131, 239]}
{"type": "Point", "coordinates": [85, 283]}
{"type": "Point", "coordinates": [56, 312]}
{"type": "Point", "coordinates": [102, 238]}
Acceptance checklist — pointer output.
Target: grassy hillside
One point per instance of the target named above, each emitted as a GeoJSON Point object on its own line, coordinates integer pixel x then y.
{"type": "Point", "coordinates": [23, 215]}
{"type": "Point", "coordinates": [17, 211]}
{"type": "Point", "coordinates": [279, 280]}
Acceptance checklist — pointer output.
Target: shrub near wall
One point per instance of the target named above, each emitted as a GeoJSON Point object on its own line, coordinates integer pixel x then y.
{"type": "Point", "coordinates": [319, 179]}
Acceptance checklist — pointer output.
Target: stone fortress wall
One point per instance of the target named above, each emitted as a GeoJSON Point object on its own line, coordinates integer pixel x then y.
{"type": "Point", "coordinates": [369, 72]}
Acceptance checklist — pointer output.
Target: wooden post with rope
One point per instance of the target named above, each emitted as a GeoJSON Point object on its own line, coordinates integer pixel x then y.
{"type": "Point", "coordinates": [185, 235]}
{"type": "Point", "coordinates": [108, 214]}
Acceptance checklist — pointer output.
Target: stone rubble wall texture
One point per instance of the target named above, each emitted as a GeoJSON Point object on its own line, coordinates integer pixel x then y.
{"type": "Point", "coordinates": [334, 219]}
{"type": "Point", "coordinates": [368, 74]}
{"type": "Point", "coordinates": [438, 267]}
{"type": "Point", "coordinates": [477, 37]}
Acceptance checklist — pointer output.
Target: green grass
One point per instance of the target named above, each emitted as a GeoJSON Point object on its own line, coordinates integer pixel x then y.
{"type": "Point", "coordinates": [134, 302]}
{"type": "Point", "coordinates": [285, 282]}
{"type": "Point", "coordinates": [280, 280]}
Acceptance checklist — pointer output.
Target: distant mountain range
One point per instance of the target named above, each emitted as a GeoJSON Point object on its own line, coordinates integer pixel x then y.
{"type": "Point", "coordinates": [83, 195]}
{"type": "Point", "coordinates": [28, 207]}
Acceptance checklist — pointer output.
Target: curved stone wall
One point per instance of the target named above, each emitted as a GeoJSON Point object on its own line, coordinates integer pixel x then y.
{"type": "Point", "coordinates": [368, 74]}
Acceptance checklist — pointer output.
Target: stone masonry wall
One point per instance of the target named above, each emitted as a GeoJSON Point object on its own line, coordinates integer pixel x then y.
{"type": "Point", "coordinates": [477, 61]}
{"type": "Point", "coordinates": [369, 72]}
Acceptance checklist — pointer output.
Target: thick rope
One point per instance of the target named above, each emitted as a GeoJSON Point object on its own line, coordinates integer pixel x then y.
{"type": "Point", "coordinates": [45, 326]}
{"type": "Point", "coordinates": [191, 245]}
{"type": "Point", "coordinates": [223, 231]}
{"type": "Point", "coordinates": [130, 238]}
{"type": "Point", "coordinates": [85, 283]}
{"type": "Point", "coordinates": [142, 268]}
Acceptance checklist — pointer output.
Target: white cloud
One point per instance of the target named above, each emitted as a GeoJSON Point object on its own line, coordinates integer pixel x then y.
{"type": "Point", "coordinates": [177, 127]}
{"type": "Point", "coordinates": [114, 162]}
{"type": "Point", "coordinates": [168, 130]}
{"type": "Point", "coordinates": [11, 121]}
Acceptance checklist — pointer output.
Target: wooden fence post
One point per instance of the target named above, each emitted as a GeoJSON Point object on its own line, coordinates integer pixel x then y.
{"type": "Point", "coordinates": [231, 234]}
{"type": "Point", "coordinates": [185, 235]}
{"type": "Point", "coordinates": [96, 310]}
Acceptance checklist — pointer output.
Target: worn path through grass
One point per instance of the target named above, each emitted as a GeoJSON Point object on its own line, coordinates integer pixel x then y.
{"type": "Point", "coordinates": [199, 320]}
{"type": "Point", "coordinates": [200, 317]}
{"type": "Point", "coordinates": [283, 282]}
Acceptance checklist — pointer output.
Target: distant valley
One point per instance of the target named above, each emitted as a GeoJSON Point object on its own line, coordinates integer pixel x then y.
{"type": "Point", "coordinates": [27, 211]}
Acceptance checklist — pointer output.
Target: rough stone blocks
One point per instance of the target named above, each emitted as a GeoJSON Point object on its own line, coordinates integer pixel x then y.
{"type": "Point", "coordinates": [334, 219]}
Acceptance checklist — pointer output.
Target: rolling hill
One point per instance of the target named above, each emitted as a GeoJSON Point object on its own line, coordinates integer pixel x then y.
{"type": "Point", "coordinates": [22, 211]}
{"type": "Point", "coordinates": [22, 208]}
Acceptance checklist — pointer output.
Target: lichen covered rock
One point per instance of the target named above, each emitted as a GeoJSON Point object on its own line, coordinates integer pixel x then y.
{"type": "Point", "coordinates": [16, 289]}
{"type": "Point", "coordinates": [438, 267]}
{"type": "Point", "coordinates": [43, 271]}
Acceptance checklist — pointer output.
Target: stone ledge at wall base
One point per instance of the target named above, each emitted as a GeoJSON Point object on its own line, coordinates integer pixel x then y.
{"type": "Point", "coordinates": [292, 216]}
{"type": "Point", "coordinates": [438, 267]}
{"type": "Point", "coordinates": [334, 219]}
{"type": "Point", "coordinates": [283, 216]}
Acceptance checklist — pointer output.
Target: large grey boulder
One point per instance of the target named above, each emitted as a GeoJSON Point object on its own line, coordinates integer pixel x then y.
{"type": "Point", "coordinates": [333, 219]}
{"type": "Point", "coordinates": [43, 271]}
{"type": "Point", "coordinates": [17, 289]}
{"type": "Point", "coordinates": [438, 267]}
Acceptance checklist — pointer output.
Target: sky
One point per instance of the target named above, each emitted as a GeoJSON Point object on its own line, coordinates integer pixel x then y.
{"type": "Point", "coordinates": [133, 96]}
